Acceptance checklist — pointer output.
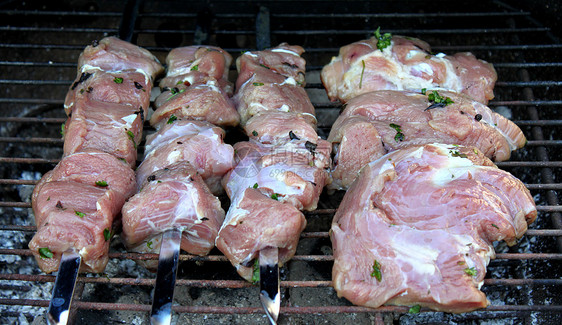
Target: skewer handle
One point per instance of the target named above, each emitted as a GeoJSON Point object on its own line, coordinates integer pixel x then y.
{"type": "Point", "coordinates": [161, 313]}
{"type": "Point", "coordinates": [59, 307]}
{"type": "Point", "coordinates": [270, 295]}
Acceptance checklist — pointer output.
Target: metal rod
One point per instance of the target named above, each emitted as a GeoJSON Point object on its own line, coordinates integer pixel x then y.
{"type": "Point", "coordinates": [65, 283]}
{"type": "Point", "coordinates": [161, 312]}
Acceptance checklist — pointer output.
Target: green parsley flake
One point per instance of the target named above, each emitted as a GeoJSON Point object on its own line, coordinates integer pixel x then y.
{"type": "Point", "coordinates": [45, 252]}
{"type": "Point", "coordinates": [255, 133]}
{"type": "Point", "coordinates": [255, 185]}
{"type": "Point", "coordinates": [362, 71]}
{"type": "Point", "coordinates": [399, 135]}
{"type": "Point", "coordinates": [441, 101]}
{"type": "Point", "coordinates": [118, 80]}
{"type": "Point", "coordinates": [174, 92]}
{"type": "Point", "coordinates": [471, 271]}
{"type": "Point", "coordinates": [414, 309]}
{"type": "Point", "coordinates": [132, 137]}
{"type": "Point", "coordinates": [456, 153]}
{"type": "Point", "coordinates": [62, 129]}
{"type": "Point", "coordinates": [495, 226]}
{"type": "Point", "coordinates": [172, 119]}
{"type": "Point", "coordinates": [258, 84]}
{"type": "Point", "coordinates": [275, 196]}
{"type": "Point", "coordinates": [195, 68]}
{"type": "Point", "coordinates": [106, 234]}
{"type": "Point", "coordinates": [101, 183]}
{"type": "Point", "coordinates": [383, 41]}
{"type": "Point", "coordinates": [423, 91]}
{"type": "Point", "coordinates": [256, 272]}
{"type": "Point", "coordinates": [149, 244]}
{"type": "Point", "coordinates": [80, 214]}
{"type": "Point", "coordinates": [377, 274]}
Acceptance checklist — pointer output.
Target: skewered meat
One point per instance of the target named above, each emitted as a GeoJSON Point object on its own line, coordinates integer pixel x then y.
{"type": "Point", "coordinates": [122, 87]}
{"type": "Point", "coordinates": [204, 101]}
{"type": "Point", "coordinates": [196, 87]}
{"type": "Point", "coordinates": [418, 224]}
{"type": "Point", "coordinates": [281, 169]}
{"type": "Point", "coordinates": [109, 127]}
{"type": "Point", "coordinates": [76, 204]}
{"type": "Point", "coordinates": [186, 158]}
{"type": "Point", "coordinates": [406, 64]}
{"type": "Point", "coordinates": [113, 54]}
{"type": "Point", "coordinates": [175, 196]}
{"type": "Point", "coordinates": [380, 121]}
{"type": "Point", "coordinates": [201, 145]}
{"type": "Point", "coordinates": [271, 80]}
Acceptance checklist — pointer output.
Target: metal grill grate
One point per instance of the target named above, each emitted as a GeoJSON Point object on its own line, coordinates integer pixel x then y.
{"type": "Point", "coordinates": [39, 48]}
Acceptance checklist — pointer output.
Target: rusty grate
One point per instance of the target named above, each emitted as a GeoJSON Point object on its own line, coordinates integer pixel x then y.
{"type": "Point", "coordinates": [39, 47]}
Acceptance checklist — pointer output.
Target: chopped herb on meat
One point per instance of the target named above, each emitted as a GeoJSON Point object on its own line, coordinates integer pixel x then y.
{"type": "Point", "coordinates": [383, 41]}
{"type": "Point", "coordinates": [101, 183]}
{"type": "Point", "coordinates": [131, 136]}
{"type": "Point", "coordinates": [255, 133]}
{"type": "Point", "coordinates": [414, 309]}
{"type": "Point", "coordinates": [45, 252]}
{"type": "Point", "coordinates": [456, 153]}
{"type": "Point", "coordinates": [255, 185]}
{"type": "Point", "coordinates": [171, 119]}
{"type": "Point", "coordinates": [80, 214]}
{"type": "Point", "coordinates": [258, 84]}
{"type": "Point", "coordinates": [256, 272]}
{"type": "Point", "coordinates": [437, 100]}
{"type": "Point", "coordinates": [377, 274]}
{"type": "Point", "coordinates": [362, 71]}
{"type": "Point", "coordinates": [106, 234]}
{"type": "Point", "coordinates": [471, 271]}
{"type": "Point", "coordinates": [118, 80]}
{"type": "Point", "coordinates": [399, 135]}
{"type": "Point", "coordinates": [149, 244]}
{"type": "Point", "coordinates": [195, 68]}
{"type": "Point", "coordinates": [275, 196]}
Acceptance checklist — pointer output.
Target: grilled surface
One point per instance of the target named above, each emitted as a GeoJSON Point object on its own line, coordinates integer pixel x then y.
{"type": "Point", "coordinates": [38, 60]}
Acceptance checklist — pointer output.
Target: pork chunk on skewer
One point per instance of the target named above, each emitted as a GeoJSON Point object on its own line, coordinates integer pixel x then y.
{"type": "Point", "coordinates": [106, 106]}
{"type": "Point", "coordinates": [282, 169]}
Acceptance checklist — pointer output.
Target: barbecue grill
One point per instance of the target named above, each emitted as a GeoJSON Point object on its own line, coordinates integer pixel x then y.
{"type": "Point", "coordinates": [40, 44]}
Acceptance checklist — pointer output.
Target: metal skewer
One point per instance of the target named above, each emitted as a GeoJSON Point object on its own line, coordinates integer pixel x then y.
{"type": "Point", "coordinates": [270, 295]}
{"type": "Point", "coordinates": [161, 313]}
{"type": "Point", "coordinates": [65, 282]}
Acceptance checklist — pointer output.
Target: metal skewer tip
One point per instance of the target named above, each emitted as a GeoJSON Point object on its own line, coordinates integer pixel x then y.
{"type": "Point", "coordinates": [161, 313]}
{"type": "Point", "coordinates": [59, 307]}
{"type": "Point", "coordinates": [270, 295]}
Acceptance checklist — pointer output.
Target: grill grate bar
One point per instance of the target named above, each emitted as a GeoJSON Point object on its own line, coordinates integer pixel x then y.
{"type": "Point", "coordinates": [318, 234]}
{"type": "Point", "coordinates": [405, 15]}
{"type": "Point", "coordinates": [237, 284]}
{"type": "Point", "coordinates": [545, 208]}
{"type": "Point", "coordinates": [530, 143]}
{"type": "Point", "coordinates": [13, 119]}
{"type": "Point", "coordinates": [309, 68]}
{"type": "Point", "coordinates": [507, 42]}
{"type": "Point", "coordinates": [306, 258]}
